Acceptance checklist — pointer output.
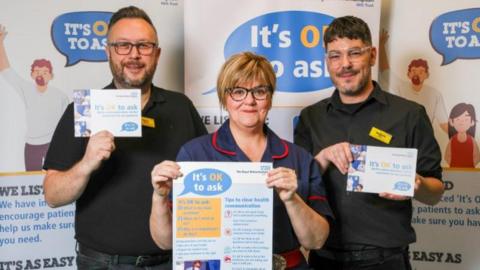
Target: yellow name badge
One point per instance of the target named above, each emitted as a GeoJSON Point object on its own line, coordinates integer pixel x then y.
{"type": "Point", "coordinates": [148, 122]}
{"type": "Point", "coordinates": [380, 135]}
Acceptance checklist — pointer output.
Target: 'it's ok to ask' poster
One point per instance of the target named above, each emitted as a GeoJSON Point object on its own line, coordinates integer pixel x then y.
{"type": "Point", "coordinates": [222, 216]}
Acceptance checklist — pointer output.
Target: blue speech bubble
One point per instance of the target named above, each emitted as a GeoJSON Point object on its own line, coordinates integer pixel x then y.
{"type": "Point", "coordinates": [293, 42]}
{"type": "Point", "coordinates": [81, 36]}
{"type": "Point", "coordinates": [206, 182]}
{"type": "Point", "coordinates": [402, 186]}
{"type": "Point", "coordinates": [456, 35]}
{"type": "Point", "coordinates": [129, 126]}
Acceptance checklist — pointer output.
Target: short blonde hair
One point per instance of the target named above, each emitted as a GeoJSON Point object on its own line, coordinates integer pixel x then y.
{"type": "Point", "coordinates": [241, 68]}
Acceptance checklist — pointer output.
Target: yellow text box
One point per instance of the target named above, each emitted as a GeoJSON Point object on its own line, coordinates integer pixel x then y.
{"type": "Point", "coordinates": [198, 217]}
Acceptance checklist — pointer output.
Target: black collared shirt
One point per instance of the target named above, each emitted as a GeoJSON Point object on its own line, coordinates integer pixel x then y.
{"type": "Point", "coordinates": [112, 214]}
{"type": "Point", "coordinates": [364, 218]}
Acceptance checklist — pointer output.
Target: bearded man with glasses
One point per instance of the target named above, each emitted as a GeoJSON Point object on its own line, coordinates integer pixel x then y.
{"type": "Point", "coordinates": [372, 231]}
{"type": "Point", "coordinates": [109, 178]}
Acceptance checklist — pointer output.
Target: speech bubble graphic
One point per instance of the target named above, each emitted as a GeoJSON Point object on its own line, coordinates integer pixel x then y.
{"type": "Point", "coordinates": [206, 182]}
{"type": "Point", "coordinates": [402, 186]}
{"type": "Point", "coordinates": [293, 42]}
{"type": "Point", "coordinates": [129, 126]}
{"type": "Point", "coordinates": [456, 35]}
{"type": "Point", "coordinates": [81, 36]}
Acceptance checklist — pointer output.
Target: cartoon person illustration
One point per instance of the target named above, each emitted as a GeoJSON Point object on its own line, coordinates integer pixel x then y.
{"type": "Point", "coordinates": [44, 104]}
{"type": "Point", "coordinates": [416, 89]}
{"type": "Point", "coordinates": [462, 149]}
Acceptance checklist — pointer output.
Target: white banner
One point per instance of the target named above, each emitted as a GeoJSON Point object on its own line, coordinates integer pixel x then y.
{"type": "Point", "coordinates": [288, 33]}
{"type": "Point", "coordinates": [71, 36]}
{"type": "Point", "coordinates": [33, 235]}
{"type": "Point", "coordinates": [433, 59]}
{"type": "Point", "coordinates": [448, 234]}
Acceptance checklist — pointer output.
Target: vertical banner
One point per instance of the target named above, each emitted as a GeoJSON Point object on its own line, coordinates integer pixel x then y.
{"type": "Point", "coordinates": [47, 50]}
{"type": "Point", "coordinates": [288, 33]}
{"type": "Point", "coordinates": [433, 58]}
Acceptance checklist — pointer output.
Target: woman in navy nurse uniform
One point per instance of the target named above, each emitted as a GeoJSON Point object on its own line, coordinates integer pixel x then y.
{"type": "Point", "coordinates": [245, 88]}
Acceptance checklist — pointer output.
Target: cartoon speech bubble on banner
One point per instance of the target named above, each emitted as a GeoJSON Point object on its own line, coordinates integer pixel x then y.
{"type": "Point", "coordinates": [292, 41]}
{"type": "Point", "coordinates": [81, 36]}
{"type": "Point", "coordinates": [456, 35]}
{"type": "Point", "coordinates": [206, 182]}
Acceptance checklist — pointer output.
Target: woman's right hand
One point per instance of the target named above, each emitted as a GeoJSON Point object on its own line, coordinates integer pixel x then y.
{"type": "Point", "coordinates": [162, 176]}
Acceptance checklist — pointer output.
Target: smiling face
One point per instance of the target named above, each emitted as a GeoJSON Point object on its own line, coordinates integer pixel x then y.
{"type": "Point", "coordinates": [132, 70]}
{"type": "Point", "coordinates": [256, 76]}
{"type": "Point", "coordinates": [351, 74]}
{"type": "Point", "coordinates": [462, 123]}
{"type": "Point", "coordinates": [248, 113]}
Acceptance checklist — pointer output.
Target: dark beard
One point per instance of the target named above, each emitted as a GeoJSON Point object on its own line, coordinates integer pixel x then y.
{"type": "Point", "coordinates": [123, 82]}
{"type": "Point", "coordinates": [361, 86]}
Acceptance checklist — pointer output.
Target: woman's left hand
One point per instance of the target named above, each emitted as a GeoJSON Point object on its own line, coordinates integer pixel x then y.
{"type": "Point", "coordinates": [284, 180]}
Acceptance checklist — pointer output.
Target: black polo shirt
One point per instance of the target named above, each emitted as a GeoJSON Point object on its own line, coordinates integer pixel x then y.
{"type": "Point", "coordinates": [112, 215]}
{"type": "Point", "coordinates": [365, 218]}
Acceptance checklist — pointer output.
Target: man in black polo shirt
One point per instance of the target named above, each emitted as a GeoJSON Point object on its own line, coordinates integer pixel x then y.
{"type": "Point", "coordinates": [109, 178]}
{"type": "Point", "coordinates": [371, 231]}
